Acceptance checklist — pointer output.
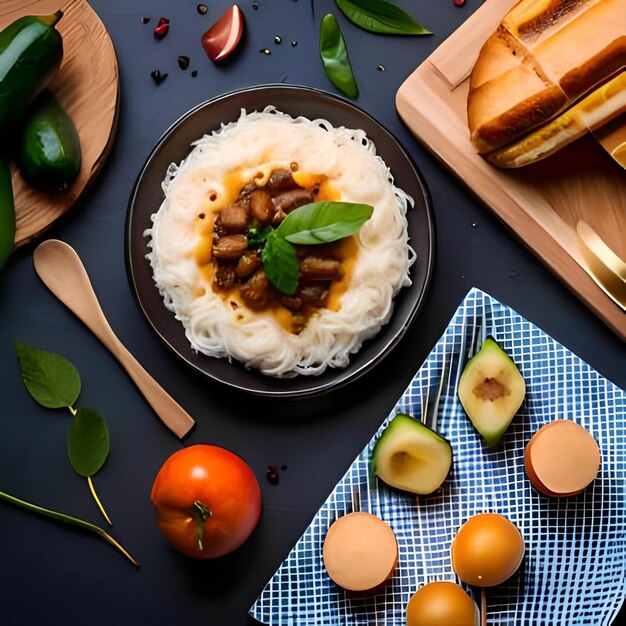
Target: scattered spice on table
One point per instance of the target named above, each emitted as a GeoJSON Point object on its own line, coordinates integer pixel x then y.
{"type": "Point", "coordinates": [145, 19]}
{"type": "Point", "coordinates": [272, 473]}
{"type": "Point", "coordinates": [255, 6]}
{"type": "Point", "coordinates": [194, 73]}
{"type": "Point", "coordinates": [202, 9]}
{"type": "Point", "coordinates": [157, 76]}
{"type": "Point", "coordinates": [278, 39]}
{"type": "Point", "coordinates": [294, 43]}
{"type": "Point", "coordinates": [162, 28]}
{"type": "Point", "coordinates": [265, 51]}
{"type": "Point", "coordinates": [380, 68]}
{"type": "Point", "coordinates": [183, 62]}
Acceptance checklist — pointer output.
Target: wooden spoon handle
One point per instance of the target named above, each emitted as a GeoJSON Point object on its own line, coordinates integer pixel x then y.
{"type": "Point", "coordinates": [168, 410]}
{"type": "Point", "coordinates": [62, 271]}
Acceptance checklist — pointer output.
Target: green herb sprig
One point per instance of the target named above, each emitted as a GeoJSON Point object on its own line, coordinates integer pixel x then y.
{"type": "Point", "coordinates": [312, 224]}
{"type": "Point", "coordinates": [381, 16]}
{"type": "Point", "coordinates": [376, 16]}
{"type": "Point", "coordinates": [68, 519]}
{"type": "Point", "coordinates": [335, 57]}
{"type": "Point", "coordinates": [55, 383]}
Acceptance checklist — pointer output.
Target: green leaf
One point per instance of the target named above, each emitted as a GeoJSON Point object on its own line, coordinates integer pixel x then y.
{"type": "Point", "coordinates": [323, 222]}
{"type": "Point", "coordinates": [280, 263]}
{"type": "Point", "coordinates": [49, 378]}
{"type": "Point", "coordinates": [380, 16]}
{"type": "Point", "coordinates": [257, 236]}
{"type": "Point", "coordinates": [88, 442]}
{"type": "Point", "coordinates": [335, 57]}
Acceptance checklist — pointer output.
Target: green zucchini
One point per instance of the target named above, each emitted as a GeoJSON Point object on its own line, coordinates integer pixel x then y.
{"type": "Point", "coordinates": [47, 147]}
{"type": "Point", "coordinates": [7, 212]}
{"type": "Point", "coordinates": [31, 50]}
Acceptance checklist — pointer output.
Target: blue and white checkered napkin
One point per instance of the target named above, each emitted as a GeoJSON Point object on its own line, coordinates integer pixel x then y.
{"type": "Point", "coordinates": [574, 571]}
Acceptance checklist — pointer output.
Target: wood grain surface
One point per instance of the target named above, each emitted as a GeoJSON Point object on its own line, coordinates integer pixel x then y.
{"type": "Point", "coordinates": [541, 203]}
{"type": "Point", "coordinates": [87, 86]}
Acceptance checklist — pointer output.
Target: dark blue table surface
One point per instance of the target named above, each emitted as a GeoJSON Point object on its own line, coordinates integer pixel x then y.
{"type": "Point", "coordinates": [52, 575]}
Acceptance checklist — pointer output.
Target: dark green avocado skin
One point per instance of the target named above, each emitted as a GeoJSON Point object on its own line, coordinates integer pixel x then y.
{"type": "Point", "coordinates": [7, 211]}
{"type": "Point", "coordinates": [48, 150]}
{"type": "Point", "coordinates": [31, 50]}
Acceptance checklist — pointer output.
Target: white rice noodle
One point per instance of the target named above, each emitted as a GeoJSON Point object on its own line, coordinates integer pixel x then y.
{"type": "Point", "coordinates": [261, 142]}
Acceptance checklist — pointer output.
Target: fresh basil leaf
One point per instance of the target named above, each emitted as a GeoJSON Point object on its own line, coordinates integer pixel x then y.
{"type": "Point", "coordinates": [49, 378]}
{"type": "Point", "coordinates": [280, 263]}
{"type": "Point", "coordinates": [381, 16]}
{"type": "Point", "coordinates": [335, 57]}
{"type": "Point", "coordinates": [88, 442]}
{"type": "Point", "coordinates": [257, 236]}
{"type": "Point", "coordinates": [323, 222]}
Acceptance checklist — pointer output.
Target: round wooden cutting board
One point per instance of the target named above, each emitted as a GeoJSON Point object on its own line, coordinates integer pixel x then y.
{"type": "Point", "coordinates": [87, 86]}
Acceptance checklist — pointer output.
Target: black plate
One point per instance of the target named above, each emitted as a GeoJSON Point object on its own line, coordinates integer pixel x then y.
{"type": "Point", "coordinates": [175, 145]}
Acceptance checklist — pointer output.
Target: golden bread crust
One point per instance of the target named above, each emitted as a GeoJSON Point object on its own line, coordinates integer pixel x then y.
{"type": "Point", "coordinates": [545, 56]}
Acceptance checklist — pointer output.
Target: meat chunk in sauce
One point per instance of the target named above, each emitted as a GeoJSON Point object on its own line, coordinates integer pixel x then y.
{"type": "Point", "coordinates": [234, 218]}
{"type": "Point", "coordinates": [249, 263]}
{"type": "Point", "coordinates": [256, 292]}
{"type": "Point", "coordinates": [289, 200]}
{"type": "Point", "coordinates": [320, 268]}
{"type": "Point", "coordinates": [313, 295]}
{"type": "Point", "coordinates": [230, 247]}
{"type": "Point", "coordinates": [281, 180]}
{"type": "Point", "coordinates": [261, 206]}
{"type": "Point", "coordinates": [224, 277]}
{"type": "Point", "coordinates": [238, 267]}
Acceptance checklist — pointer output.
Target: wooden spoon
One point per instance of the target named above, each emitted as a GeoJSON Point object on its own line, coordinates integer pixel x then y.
{"type": "Point", "coordinates": [62, 271]}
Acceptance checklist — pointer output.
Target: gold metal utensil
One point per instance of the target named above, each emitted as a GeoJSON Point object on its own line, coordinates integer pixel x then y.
{"type": "Point", "coordinates": [62, 271]}
{"type": "Point", "coordinates": [607, 269]}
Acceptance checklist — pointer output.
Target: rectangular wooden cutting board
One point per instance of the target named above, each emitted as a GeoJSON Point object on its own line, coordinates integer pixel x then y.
{"type": "Point", "coordinates": [549, 204]}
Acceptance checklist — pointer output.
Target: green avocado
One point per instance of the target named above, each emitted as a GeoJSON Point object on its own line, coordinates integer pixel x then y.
{"type": "Point", "coordinates": [491, 390]}
{"type": "Point", "coordinates": [412, 457]}
{"type": "Point", "coordinates": [48, 150]}
{"type": "Point", "coordinates": [7, 211]}
{"type": "Point", "coordinates": [31, 50]}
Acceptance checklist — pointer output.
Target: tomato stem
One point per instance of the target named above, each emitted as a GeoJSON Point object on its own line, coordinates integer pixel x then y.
{"type": "Point", "coordinates": [201, 512]}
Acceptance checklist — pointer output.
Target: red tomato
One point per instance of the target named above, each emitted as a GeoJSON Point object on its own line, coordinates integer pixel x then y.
{"type": "Point", "coordinates": [207, 501]}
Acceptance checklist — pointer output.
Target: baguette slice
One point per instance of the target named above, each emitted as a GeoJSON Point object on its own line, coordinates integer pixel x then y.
{"type": "Point", "coordinates": [598, 108]}
{"type": "Point", "coordinates": [545, 56]}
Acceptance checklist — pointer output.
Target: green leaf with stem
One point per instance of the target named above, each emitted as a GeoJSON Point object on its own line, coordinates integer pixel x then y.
{"type": "Point", "coordinates": [324, 222]}
{"type": "Point", "coordinates": [335, 57]}
{"type": "Point", "coordinates": [68, 519]}
{"type": "Point", "coordinates": [88, 446]}
{"type": "Point", "coordinates": [49, 378]}
{"type": "Point", "coordinates": [381, 16]}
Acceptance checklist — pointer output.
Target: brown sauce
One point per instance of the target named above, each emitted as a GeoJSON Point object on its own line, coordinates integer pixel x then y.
{"type": "Point", "coordinates": [234, 268]}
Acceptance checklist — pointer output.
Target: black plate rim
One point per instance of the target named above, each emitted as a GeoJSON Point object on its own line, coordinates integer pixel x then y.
{"type": "Point", "coordinates": [340, 377]}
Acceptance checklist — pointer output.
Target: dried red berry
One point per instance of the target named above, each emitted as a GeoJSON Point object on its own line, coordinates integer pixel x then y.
{"type": "Point", "coordinates": [458, 3]}
{"type": "Point", "coordinates": [162, 28]}
{"type": "Point", "coordinates": [224, 35]}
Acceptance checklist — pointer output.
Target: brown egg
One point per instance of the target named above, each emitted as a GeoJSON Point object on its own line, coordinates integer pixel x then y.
{"type": "Point", "coordinates": [487, 550]}
{"type": "Point", "coordinates": [562, 459]}
{"type": "Point", "coordinates": [441, 604]}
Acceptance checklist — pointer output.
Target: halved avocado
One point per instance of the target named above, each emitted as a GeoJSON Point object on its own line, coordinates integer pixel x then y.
{"type": "Point", "coordinates": [491, 391]}
{"type": "Point", "coordinates": [412, 457]}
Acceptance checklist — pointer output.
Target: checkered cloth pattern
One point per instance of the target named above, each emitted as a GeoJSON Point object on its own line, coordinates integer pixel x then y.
{"type": "Point", "coordinates": [574, 571]}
